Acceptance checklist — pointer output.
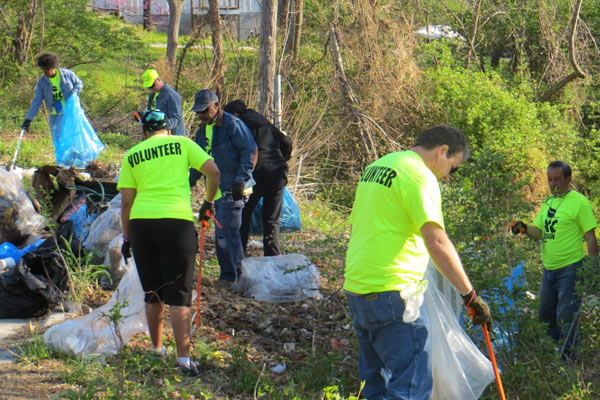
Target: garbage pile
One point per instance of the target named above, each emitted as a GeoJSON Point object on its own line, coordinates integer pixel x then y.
{"type": "Point", "coordinates": [33, 270]}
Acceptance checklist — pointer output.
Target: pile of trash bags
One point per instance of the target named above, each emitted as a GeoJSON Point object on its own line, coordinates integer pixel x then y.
{"type": "Point", "coordinates": [33, 272]}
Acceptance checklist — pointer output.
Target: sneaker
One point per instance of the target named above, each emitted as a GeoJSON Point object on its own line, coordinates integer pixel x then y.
{"type": "Point", "coordinates": [193, 369]}
{"type": "Point", "coordinates": [162, 352]}
{"type": "Point", "coordinates": [223, 284]}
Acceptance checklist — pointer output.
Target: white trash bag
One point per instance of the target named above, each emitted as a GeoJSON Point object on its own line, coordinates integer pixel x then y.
{"type": "Point", "coordinates": [278, 279]}
{"type": "Point", "coordinates": [105, 228]}
{"type": "Point", "coordinates": [460, 370]}
{"type": "Point", "coordinates": [94, 334]}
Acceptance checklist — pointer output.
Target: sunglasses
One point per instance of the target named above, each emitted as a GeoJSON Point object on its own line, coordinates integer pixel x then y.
{"type": "Point", "coordinates": [202, 112]}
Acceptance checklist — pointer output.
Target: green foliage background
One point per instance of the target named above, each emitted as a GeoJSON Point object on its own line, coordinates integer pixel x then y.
{"type": "Point", "coordinates": [405, 84]}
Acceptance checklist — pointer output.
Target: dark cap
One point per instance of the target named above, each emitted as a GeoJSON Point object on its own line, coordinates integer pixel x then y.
{"type": "Point", "coordinates": [203, 99]}
{"type": "Point", "coordinates": [235, 107]}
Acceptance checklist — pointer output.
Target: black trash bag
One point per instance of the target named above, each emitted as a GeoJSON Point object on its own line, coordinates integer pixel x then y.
{"type": "Point", "coordinates": [25, 295]}
{"type": "Point", "coordinates": [37, 284]}
{"type": "Point", "coordinates": [46, 261]}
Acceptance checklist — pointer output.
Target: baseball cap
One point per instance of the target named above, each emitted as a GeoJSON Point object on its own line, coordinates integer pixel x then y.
{"type": "Point", "coordinates": [203, 99]}
{"type": "Point", "coordinates": [148, 77]}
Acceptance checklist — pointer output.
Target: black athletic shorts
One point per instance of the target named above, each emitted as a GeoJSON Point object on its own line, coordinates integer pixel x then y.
{"type": "Point", "coordinates": [165, 255]}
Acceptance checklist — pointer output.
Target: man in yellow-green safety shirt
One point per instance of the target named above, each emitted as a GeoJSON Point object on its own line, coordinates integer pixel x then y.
{"type": "Point", "coordinates": [565, 221]}
{"type": "Point", "coordinates": [166, 99]}
{"type": "Point", "coordinates": [397, 224]}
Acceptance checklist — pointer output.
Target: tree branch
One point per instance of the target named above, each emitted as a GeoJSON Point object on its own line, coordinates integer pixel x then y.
{"type": "Point", "coordinates": [578, 73]}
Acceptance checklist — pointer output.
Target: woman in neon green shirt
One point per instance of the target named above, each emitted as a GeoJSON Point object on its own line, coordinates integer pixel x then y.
{"type": "Point", "coordinates": [158, 225]}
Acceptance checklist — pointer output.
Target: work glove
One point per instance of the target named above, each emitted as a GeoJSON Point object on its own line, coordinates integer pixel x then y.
{"type": "Point", "coordinates": [518, 227]}
{"type": "Point", "coordinates": [25, 125]}
{"type": "Point", "coordinates": [126, 249]}
{"type": "Point", "coordinates": [478, 309]}
{"type": "Point", "coordinates": [207, 207]}
{"type": "Point", "coordinates": [237, 191]}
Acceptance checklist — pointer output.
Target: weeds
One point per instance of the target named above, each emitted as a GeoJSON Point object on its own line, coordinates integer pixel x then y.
{"type": "Point", "coordinates": [84, 274]}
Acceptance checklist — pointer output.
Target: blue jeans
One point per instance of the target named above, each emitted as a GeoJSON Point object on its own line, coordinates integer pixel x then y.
{"type": "Point", "coordinates": [559, 304]}
{"type": "Point", "coordinates": [385, 341]}
{"type": "Point", "coordinates": [227, 238]}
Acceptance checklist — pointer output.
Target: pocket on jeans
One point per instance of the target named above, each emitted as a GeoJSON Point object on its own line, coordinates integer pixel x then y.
{"type": "Point", "coordinates": [382, 310]}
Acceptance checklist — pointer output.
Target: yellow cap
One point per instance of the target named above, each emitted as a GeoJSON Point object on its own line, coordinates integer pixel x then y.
{"type": "Point", "coordinates": [148, 77]}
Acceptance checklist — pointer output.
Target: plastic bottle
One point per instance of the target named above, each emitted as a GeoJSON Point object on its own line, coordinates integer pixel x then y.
{"type": "Point", "coordinates": [7, 263]}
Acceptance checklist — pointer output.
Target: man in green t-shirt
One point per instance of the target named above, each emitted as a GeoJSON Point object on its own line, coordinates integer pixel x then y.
{"type": "Point", "coordinates": [397, 224]}
{"type": "Point", "coordinates": [564, 221]}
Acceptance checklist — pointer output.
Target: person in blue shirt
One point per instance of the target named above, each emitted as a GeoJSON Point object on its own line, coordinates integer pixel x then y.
{"type": "Point", "coordinates": [225, 137]}
{"type": "Point", "coordinates": [54, 88]}
{"type": "Point", "coordinates": [166, 99]}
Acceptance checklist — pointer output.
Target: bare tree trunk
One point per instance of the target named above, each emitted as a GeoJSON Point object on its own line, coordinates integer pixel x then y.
{"type": "Point", "coordinates": [175, 7]}
{"type": "Point", "coordinates": [578, 72]}
{"type": "Point", "coordinates": [367, 139]}
{"type": "Point", "coordinates": [147, 15]}
{"type": "Point", "coordinates": [266, 63]}
{"type": "Point", "coordinates": [298, 16]}
{"type": "Point", "coordinates": [282, 12]}
{"type": "Point", "coordinates": [24, 33]}
{"type": "Point", "coordinates": [218, 65]}
{"type": "Point", "coordinates": [471, 38]}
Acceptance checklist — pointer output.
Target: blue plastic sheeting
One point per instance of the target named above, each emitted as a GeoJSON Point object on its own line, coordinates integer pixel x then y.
{"type": "Point", "coordinates": [504, 329]}
{"type": "Point", "coordinates": [8, 249]}
{"type": "Point", "coordinates": [78, 144]}
{"type": "Point", "coordinates": [289, 220]}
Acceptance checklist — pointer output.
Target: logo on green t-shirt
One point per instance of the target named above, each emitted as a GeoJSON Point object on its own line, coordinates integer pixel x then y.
{"type": "Point", "coordinates": [563, 221]}
{"type": "Point", "coordinates": [153, 152]}
{"type": "Point", "coordinates": [379, 174]}
{"type": "Point", "coordinates": [58, 100]}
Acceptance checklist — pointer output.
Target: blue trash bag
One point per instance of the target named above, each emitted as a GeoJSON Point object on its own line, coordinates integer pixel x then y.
{"type": "Point", "coordinates": [289, 220]}
{"type": "Point", "coordinates": [8, 249]}
{"type": "Point", "coordinates": [78, 144]}
{"type": "Point", "coordinates": [503, 329]}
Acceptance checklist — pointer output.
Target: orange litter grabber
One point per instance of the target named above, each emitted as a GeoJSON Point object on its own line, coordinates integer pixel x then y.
{"type": "Point", "coordinates": [204, 224]}
{"type": "Point", "coordinates": [488, 344]}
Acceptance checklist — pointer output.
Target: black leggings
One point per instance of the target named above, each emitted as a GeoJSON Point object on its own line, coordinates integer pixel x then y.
{"type": "Point", "coordinates": [165, 255]}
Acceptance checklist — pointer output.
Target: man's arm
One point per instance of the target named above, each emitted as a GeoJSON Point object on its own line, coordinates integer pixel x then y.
{"type": "Point", "coordinates": [174, 117]}
{"type": "Point", "coordinates": [244, 143]}
{"type": "Point", "coordinates": [534, 232]}
{"type": "Point", "coordinates": [592, 243]}
{"type": "Point", "coordinates": [445, 257]}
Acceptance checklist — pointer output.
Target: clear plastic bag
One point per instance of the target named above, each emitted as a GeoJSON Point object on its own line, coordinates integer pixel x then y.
{"type": "Point", "coordinates": [114, 259]}
{"type": "Point", "coordinates": [105, 228]}
{"type": "Point", "coordinates": [18, 218]}
{"type": "Point", "coordinates": [279, 279]}
{"type": "Point", "coordinates": [78, 144]}
{"type": "Point", "coordinates": [94, 333]}
{"type": "Point", "coordinates": [460, 370]}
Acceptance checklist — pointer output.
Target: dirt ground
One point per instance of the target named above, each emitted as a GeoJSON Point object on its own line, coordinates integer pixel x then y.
{"type": "Point", "coordinates": [26, 381]}
{"type": "Point", "coordinates": [264, 330]}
